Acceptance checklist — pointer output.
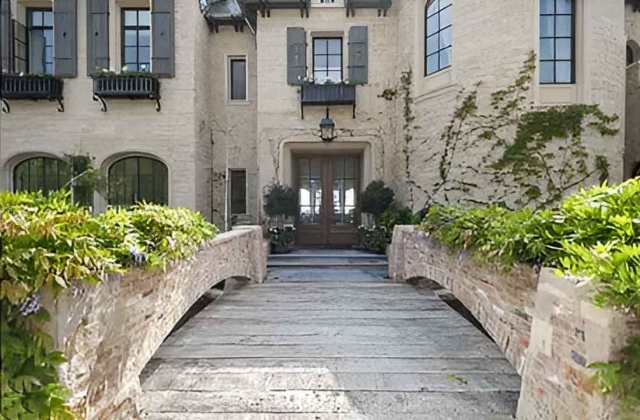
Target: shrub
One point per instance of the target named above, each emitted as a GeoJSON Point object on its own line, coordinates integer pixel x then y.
{"type": "Point", "coordinates": [280, 200]}
{"type": "Point", "coordinates": [374, 238]}
{"type": "Point", "coordinates": [50, 242]}
{"type": "Point", "coordinates": [398, 215]}
{"type": "Point", "coordinates": [376, 198]}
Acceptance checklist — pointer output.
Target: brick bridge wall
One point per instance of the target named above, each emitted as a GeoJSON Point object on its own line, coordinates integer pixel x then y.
{"type": "Point", "coordinates": [112, 329]}
{"type": "Point", "coordinates": [546, 325]}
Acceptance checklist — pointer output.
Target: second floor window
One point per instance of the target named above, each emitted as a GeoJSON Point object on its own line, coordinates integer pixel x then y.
{"type": "Point", "coordinates": [40, 41]}
{"type": "Point", "coordinates": [136, 39]}
{"type": "Point", "coordinates": [238, 79]}
{"type": "Point", "coordinates": [439, 17]}
{"type": "Point", "coordinates": [327, 60]}
{"type": "Point", "coordinates": [557, 41]}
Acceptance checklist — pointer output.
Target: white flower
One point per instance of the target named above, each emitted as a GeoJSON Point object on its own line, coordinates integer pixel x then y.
{"type": "Point", "coordinates": [124, 68]}
{"type": "Point", "coordinates": [346, 82]}
{"type": "Point", "coordinates": [21, 73]}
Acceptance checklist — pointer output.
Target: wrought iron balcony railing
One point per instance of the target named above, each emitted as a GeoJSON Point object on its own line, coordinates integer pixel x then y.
{"type": "Point", "coordinates": [14, 86]}
{"type": "Point", "coordinates": [337, 94]}
{"type": "Point", "coordinates": [126, 86]}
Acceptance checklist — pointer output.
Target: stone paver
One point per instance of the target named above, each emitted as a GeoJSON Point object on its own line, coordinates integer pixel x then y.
{"type": "Point", "coordinates": [329, 350]}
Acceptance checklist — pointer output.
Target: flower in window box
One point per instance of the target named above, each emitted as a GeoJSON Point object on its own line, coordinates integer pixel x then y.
{"type": "Point", "coordinates": [124, 69]}
{"type": "Point", "coordinates": [346, 81]}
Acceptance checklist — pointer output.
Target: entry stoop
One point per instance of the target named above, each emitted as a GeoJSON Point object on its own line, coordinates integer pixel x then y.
{"type": "Point", "coordinates": [327, 265]}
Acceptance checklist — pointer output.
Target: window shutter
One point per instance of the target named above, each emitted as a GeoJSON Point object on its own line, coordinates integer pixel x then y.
{"type": "Point", "coordinates": [162, 42]}
{"type": "Point", "coordinates": [358, 55]}
{"type": "Point", "coordinates": [97, 35]}
{"type": "Point", "coordinates": [65, 38]}
{"type": "Point", "coordinates": [6, 37]}
{"type": "Point", "coordinates": [36, 52]}
{"type": "Point", "coordinates": [296, 56]}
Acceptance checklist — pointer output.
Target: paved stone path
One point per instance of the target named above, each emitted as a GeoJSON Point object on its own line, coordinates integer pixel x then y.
{"type": "Point", "coordinates": [328, 350]}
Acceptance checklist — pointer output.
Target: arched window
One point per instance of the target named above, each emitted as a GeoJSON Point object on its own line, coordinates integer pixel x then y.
{"type": "Point", "coordinates": [438, 20]}
{"type": "Point", "coordinates": [41, 174]}
{"type": "Point", "coordinates": [136, 179]}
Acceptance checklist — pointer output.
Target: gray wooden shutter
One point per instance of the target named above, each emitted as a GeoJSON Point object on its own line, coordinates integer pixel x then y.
{"type": "Point", "coordinates": [358, 55]}
{"type": "Point", "coordinates": [36, 52]}
{"type": "Point", "coordinates": [97, 35]}
{"type": "Point", "coordinates": [65, 38]}
{"type": "Point", "coordinates": [6, 37]}
{"type": "Point", "coordinates": [162, 41]}
{"type": "Point", "coordinates": [296, 56]}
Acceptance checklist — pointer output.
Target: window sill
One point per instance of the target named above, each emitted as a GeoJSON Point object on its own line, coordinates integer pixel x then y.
{"type": "Point", "coordinates": [435, 82]}
{"type": "Point", "coordinates": [237, 102]}
{"type": "Point", "coordinates": [557, 94]}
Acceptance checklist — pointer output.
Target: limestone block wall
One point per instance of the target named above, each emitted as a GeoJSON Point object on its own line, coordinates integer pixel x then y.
{"type": "Point", "coordinates": [280, 127]}
{"type": "Point", "coordinates": [546, 325]}
{"type": "Point", "coordinates": [232, 123]}
{"type": "Point", "coordinates": [110, 331]}
{"type": "Point", "coordinates": [483, 52]}
{"type": "Point", "coordinates": [129, 127]}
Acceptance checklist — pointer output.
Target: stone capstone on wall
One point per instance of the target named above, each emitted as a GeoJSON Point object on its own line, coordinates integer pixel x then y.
{"type": "Point", "coordinates": [546, 325]}
{"type": "Point", "coordinates": [110, 331]}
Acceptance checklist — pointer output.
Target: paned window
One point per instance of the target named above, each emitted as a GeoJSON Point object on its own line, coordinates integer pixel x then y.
{"type": "Point", "coordinates": [40, 31]}
{"type": "Point", "coordinates": [136, 179]}
{"type": "Point", "coordinates": [310, 190]}
{"type": "Point", "coordinates": [238, 79]}
{"type": "Point", "coordinates": [438, 25]}
{"type": "Point", "coordinates": [41, 174]}
{"type": "Point", "coordinates": [136, 39]}
{"type": "Point", "coordinates": [327, 60]}
{"type": "Point", "coordinates": [344, 190]}
{"type": "Point", "coordinates": [557, 41]}
{"type": "Point", "coordinates": [238, 191]}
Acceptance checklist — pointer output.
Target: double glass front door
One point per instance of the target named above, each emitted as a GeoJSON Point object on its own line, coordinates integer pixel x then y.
{"type": "Point", "coordinates": [328, 187]}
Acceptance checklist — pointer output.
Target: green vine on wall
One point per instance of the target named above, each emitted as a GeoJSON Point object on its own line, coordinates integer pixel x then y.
{"type": "Point", "coordinates": [530, 156]}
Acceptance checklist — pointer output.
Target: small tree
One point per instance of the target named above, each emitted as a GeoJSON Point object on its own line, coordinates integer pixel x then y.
{"type": "Point", "coordinates": [376, 198]}
{"type": "Point", "coordinates": [280, 200]}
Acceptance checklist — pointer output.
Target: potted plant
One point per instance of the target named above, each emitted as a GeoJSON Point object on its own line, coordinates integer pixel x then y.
{"type": "Point", "coordinates": [280, 205]}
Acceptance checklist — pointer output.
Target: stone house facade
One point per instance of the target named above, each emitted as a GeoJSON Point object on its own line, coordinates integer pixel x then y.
{"type": "Point", "coordinates": [244, 84]}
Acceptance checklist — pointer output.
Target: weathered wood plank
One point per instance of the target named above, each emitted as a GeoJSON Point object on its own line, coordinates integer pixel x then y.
{"type": "Point", "coordinates": [199, 380]}
{"type": "Point", "coordinates": [370, 365]}
{"type": "Point", "coordinates": [482, 348]}
{"type": "Point", "coordinates": [315, 416]}
{"type": "Point", "coordinates": [458, 405]}
{"type": "Point", "coordinates": [274, 314]}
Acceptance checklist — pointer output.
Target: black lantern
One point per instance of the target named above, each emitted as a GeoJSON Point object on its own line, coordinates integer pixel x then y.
{"type": "Point", "coordinates": [327, 128]}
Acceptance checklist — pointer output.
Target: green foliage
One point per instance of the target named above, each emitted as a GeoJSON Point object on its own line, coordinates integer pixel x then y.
{"type": "Point", "coordinates": [85, 179]}
{"type": "Point", "coordinates": [622, 377]}
{"type": "Point", "coordinates": [280, 200]}
{"type": "Point", "coordinates": [50, 242]}
{"type": "Point", "coordinates": [376, 238]}
{"type": "Point", "coordinates": [530, 156]}
{"type": "Point", "coordinates": [594, 233]}
{"type": "Point", "coordinates": [376, 198]}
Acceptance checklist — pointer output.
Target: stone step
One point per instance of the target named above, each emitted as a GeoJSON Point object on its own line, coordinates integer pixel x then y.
{"type": "Point", "coordinates": [324, 262]}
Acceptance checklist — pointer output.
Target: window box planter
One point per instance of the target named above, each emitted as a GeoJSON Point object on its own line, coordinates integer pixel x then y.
{"type": "Point", "coordinates": [14, 86]}
{"type": "Point", "coordinates": [126, 86]}
{"type": "Point", "coordinates": [328, 94]}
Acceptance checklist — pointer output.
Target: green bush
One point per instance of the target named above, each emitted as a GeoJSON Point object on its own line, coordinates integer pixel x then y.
{"type": "Point", "coordinates": [376, 198]}
{"type": "Point", "coordinates": [376, 238]}
{"type": "Point", "coordinates": [280, 200]}
{"type": "Point", "coordinates": [50, 242]}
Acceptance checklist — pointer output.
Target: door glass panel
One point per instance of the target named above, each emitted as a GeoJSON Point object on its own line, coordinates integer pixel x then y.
{"type": "Point", "coordinates": [344, 190]}
{"type": "Point", "coordinates": [310, 191]}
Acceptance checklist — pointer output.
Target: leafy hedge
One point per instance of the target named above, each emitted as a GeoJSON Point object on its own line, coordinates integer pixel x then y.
{"type": "Point", "coordinates": [594, 233]}
{"type": "Point", "coordinates": [49, 242]}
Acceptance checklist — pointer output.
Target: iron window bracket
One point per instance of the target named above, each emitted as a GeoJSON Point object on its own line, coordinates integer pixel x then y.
{"type": "Point", "coordinates": [327, 95]}
{"type": "Point", "coordinates": [34, 87]}
{"type": "Point", "coordinates": [381, 5]}
{"type": "Point", "coordinates": [126, 86]}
